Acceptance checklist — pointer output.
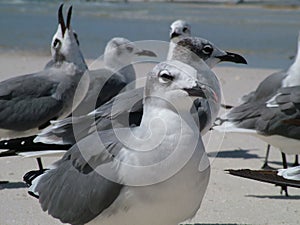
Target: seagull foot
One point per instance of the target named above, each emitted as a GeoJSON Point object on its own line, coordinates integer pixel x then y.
{"type": "Point", "coordinates": [266, 166]}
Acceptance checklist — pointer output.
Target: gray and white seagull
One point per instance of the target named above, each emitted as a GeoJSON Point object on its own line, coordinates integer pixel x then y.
{"type": "Point", "coordinates": [178, 30]}
{"type": "Point", "coordinates": [156, 173]}
{"type": "Point", "coordinates": [29, 102]}
{"type": "Point", "coordinates": [118, 74]}
{"type": "Point", "coordinates": [272, 111]}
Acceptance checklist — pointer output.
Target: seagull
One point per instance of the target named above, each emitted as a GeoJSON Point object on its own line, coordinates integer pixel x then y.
{"type": "Point", "coordinates": [117, 75]}
{"type": "Point", "coordinates": [126, 109]}
{"type": "Point", "coordinates": [156, 173]}
{"type": "Point", "coordinates": [29, 102]}
{"type": "Point", "coordinates": [271, 112]}
{"type": "Point", "coordinates": [178, 30]}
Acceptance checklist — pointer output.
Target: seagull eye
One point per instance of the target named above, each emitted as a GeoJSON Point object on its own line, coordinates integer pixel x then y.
{"type": "Point", "coordinates": [56, 43]}
{"type": "Point", "coordinates": [185, 29]}
{"type": "Point", "coordinates": [129, 49]}
{"type": "Point", "coordinates": [165, 76]}
{"type": "Point", "coordinates": [207, 49]}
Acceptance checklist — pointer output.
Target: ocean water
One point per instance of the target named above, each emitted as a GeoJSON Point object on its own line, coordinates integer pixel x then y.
{"type": "Point", "coordinates": [266, 35]}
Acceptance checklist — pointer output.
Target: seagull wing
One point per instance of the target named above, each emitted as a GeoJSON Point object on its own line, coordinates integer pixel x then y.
{"type": "Point", "coordinates": [74, 192]}
{"type": "Point", "coordinates": [283, 119]}
{"type": "Point", "coordinates": [27, 102]}
{"type": "Point", "coordinates": [104, 85]}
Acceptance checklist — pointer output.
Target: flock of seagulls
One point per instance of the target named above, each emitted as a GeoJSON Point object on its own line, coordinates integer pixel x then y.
{"type": "Point", "coordinates": [135, 155]}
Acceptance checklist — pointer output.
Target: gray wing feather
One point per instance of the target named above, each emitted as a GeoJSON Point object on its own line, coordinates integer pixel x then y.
{"type": "Point", "coordinates": [73, 192]}
{"type": "Point", "coordinates": [246, 115]}
{"type": "Point", "coordinates": [26, 102]}
{"type": "Point", "coordinates": [124, 110]}
{"type": "Point", "coordinates": [115, 111]}
{"type": "Point", "coordinates": [104, 85]}
{"type": "Point", "coordinates": [268, 87]}
{"type": "Point", "coordinates": [281, 120]}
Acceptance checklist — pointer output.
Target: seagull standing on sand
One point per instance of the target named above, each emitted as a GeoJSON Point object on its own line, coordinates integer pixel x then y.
{"type": "Point", "coordinates": [156, 173]}
{"type": "Point", "coordinates": [118, 74]}
{"type": "Point", "coordinates": [271, 112]}
{"type": "Point", "coordinates": [178, 30]}
{"type": "Point", "coordinates": [29, 102]}
{"type": "Point", "coordinates": [126, 109]}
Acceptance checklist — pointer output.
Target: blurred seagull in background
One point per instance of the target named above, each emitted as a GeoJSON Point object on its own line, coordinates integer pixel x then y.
{"type": "Point", "coordinates": [178, 30]}
{"type": "Point", "coordinates": [117, 75]}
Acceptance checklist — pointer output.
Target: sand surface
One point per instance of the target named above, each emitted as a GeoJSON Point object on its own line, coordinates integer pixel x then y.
{"type": "Point", "coordinates": [228, 200]}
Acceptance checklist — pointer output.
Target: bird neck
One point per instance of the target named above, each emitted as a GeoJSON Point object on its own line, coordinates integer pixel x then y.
{"type": "Point", "coordinates": [293, 78]}
{"type": "Point", "coordinates": [123, 66]}
{"type": "Point", "coordinates": [167, 113]}
{"type": "Point", "coordinates": [186, 56]}
{"type": "Point", "coordinates": [172, 46]}
{"type": "Point", "coordinates": [115, 62]}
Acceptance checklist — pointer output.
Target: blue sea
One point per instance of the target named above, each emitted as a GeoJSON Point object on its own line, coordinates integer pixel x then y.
{"type": "Point", "coordinates": [265, 34]}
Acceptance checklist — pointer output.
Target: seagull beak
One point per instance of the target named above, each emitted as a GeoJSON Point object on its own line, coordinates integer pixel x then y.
{"type": "Point", "coordinates": [69, 16]}
{"type": "Point", "coordinates": [61, 21]}
{"type": "Point", "coordinates": [203, 91]}
{"type": "Point", "coordinates": [146, 53]}
{"type": "Point", "coordinates": [174, 35]}
{"type": "Point", "coordinates": [232, 57]}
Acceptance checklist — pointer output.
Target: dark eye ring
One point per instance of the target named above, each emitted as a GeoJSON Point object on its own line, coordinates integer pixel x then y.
{"type": "Point", "coordinates": [207, 49]}
{"type": "Point", "coordinates": [165, 76]}
{"type": "Point", "coordinates": [130, 49]}
{"type": "Point", "coordinates": [56, 43]}
{"type": "Point", "coordinates": [185, 29]}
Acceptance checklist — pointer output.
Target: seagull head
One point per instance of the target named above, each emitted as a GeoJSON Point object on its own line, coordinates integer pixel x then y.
{"type": "Point", "coordinates": [119, 52]}
{"type": "Point", "coordinates": [176, 83]}
{"type": "Point", "coordinates": [178, 29]}
{"type": "Point", "coordinates": [65, 44]}
{"type": "Point", "coordinates": [195, 48]}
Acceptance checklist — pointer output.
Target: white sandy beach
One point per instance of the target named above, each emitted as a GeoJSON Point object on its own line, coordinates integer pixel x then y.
{"type": "Point", "coordinates": [228, 200]}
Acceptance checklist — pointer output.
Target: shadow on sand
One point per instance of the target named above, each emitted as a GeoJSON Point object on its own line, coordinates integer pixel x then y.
{"type": "Point", "coordinates": [215, 224]}
{"type": "Point", "coordinates": [12, 185]}
{"type": "Point", "coordinates": [236, 153]}
{"type": "Point", "coordinates": [278, 197]}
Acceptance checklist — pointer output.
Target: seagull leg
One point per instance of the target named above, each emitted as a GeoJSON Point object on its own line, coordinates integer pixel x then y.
{"type": "Point", "coordinates": [265, 166]}
{"type": "Point", "coordinates": [39, 161]}
{"type": "Point", "coordinates": [296, 163]}
{"type": "Point", "coordinates": [284, 163]}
